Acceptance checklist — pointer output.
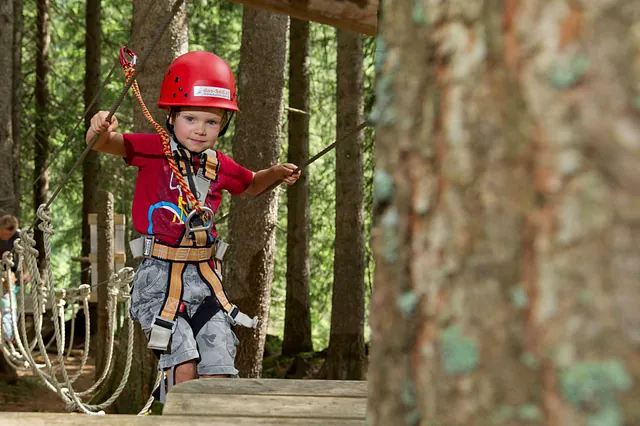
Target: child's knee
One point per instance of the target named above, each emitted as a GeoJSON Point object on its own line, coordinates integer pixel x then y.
{"type": "Point", "coordinates": [185, 371]}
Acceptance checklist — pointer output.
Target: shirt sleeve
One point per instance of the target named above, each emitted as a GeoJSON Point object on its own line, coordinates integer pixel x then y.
{"type": "Point", "coordinates": [236, 177]}
{"type": "Point", "coordinates": [141, 147]}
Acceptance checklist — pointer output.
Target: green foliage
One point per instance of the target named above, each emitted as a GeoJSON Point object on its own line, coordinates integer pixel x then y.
{"type": "Point", "coordinates": [460, 354]}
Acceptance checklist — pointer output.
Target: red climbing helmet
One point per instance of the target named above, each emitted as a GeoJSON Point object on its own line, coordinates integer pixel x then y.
{"type": "Point", "coordinates": [198, 79]}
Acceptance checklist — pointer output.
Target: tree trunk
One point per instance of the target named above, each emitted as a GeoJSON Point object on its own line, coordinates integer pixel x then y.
{"type": "Point", "coordinates": [16, 100]}
{"type": "Point", "coordinates": [506, 202]}
{"type": "Point", "coordinates": [345, 357]}
{"type": "Point", "coordinates": [172, 43]}
{"type": "Point", "coordinates": [7, 193]}
{"type": "Point", "coordinates": [42, 124]}
{"type": "Point", "coordinates": [297, 317]}
{"type": "Point", "coordinates": [104, 205]}
{"type": "Point", "coordinates": [8, 202]}
{"type": "Point", "coordinates": [91, 165]}
{"type": "Point", "coordinates": [256, 145]}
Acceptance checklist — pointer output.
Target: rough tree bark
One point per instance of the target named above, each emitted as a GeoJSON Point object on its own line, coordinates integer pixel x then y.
{"type": "Point", "coordinates": [346, 356]}
{"type": "Point", "coordinates": [91, 165]}
{"type": "Point", "coordinates": [297, 317]}
{"type": "Point", "coordinates": [8, 202]}
{"type": "Point", "coordinates": [42, 124]}
{"type": "Point", "coordinates": [256, 145]}
{"type": "Point", "coordinates": [16, 100]}
{"type": "Point", "coordinates": [506, 201]}
{"type": "Point", "coordinates": [104, 204]}
{"type": "Point", "coordinates": [174, 42]}
{"type": "Point", "coordinates": [7, 193]}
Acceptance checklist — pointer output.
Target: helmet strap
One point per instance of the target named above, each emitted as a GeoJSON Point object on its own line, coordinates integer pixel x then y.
{"type": "Point", "coordinates": [226, 125]}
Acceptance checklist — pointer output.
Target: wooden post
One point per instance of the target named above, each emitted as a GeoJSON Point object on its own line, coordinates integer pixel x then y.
{"type": "Point", "coordinates": [93, 255]}
{"type": "Point", "coordinates": [104, 205]}
{"type": "Point", "coordinates": [120, 257]}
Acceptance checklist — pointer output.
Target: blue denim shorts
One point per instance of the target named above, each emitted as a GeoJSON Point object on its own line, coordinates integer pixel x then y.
{"type": "Point", "coordinates": [215, 346]}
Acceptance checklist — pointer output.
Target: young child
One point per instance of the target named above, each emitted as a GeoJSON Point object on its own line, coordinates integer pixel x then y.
{"type": "Point", "coordinates": [177, 293]}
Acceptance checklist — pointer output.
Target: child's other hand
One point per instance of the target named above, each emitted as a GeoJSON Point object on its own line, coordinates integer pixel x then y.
{"type": "Point", "coordinates": [99, 123]}
{"type": "Point", "coordinates": [287, 169]}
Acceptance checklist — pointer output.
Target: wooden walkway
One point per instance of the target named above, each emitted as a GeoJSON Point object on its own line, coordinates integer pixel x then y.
{"type": "Point", "coordinates": [238, 402]}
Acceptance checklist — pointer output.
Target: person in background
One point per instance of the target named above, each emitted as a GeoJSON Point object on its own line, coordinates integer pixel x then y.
{"type": "Point", "coordinates": [8, 235]}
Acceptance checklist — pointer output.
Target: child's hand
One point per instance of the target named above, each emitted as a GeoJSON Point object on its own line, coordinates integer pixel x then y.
{"type": "Point", "coordinates": [287, 170]}
{"type": "Point", "coordinates": [99, 123]}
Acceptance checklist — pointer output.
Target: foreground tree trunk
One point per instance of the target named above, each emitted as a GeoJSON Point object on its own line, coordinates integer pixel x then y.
{"type": "Point", "coordinates": [297, 316]}
{"type": "Point", "coordinates": [172, 43]}
{"type": "Point", "coordinates": [345, 357]}
{"type": "Point", "coordinates": [91, 164]}
{"type": "Point", "coordinates": [42, 125]}
{"type": "Point", "coordinates": [256, 145]}
{"type": "Point", "coordinates": [507, 233]}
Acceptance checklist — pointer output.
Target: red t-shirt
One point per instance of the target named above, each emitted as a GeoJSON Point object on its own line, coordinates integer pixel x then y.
{"type": "Point", "coordinates": [159, 207]}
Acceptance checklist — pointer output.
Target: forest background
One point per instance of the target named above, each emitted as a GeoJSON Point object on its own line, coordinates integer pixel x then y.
{"type": "Point", "coordinates": [214, 26]}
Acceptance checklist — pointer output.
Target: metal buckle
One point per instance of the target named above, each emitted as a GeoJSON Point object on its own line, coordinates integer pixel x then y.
{"type": "Point", "coordinates": [192, 214]}
{"type": "Point", "coordinates": [149, 242]}
{"type": "Point", "coordinates": [221, 248]}
{"type": "Point", "coordinates": [161, 332]}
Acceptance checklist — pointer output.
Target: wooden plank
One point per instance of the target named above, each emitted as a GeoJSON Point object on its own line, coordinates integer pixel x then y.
{"type": "Point", "coordinates": [359, 16]}
{"type": "Point", "coordinates": [76, 419]}
{"type": "Point", "coordinates": [344, 388]}
{"type": "Point", "coordinates": [320, 407]}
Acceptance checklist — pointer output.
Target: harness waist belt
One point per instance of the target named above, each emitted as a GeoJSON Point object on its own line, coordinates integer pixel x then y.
{"type": "Point", "coordinates": [182, 254]}
{"type": "Point", "coordinates": [148, 246]}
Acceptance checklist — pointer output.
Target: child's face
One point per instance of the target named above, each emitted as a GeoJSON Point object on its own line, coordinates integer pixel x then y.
{"type": "Point", "coordinates": [197, 128]}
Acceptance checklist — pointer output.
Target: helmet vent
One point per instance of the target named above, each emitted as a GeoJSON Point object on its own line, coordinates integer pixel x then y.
{"type": "Point", "coordinates": [177, 79]}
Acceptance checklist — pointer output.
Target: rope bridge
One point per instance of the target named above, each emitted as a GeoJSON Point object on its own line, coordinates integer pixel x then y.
{"type": "Point", "coordinates": [22, 354]}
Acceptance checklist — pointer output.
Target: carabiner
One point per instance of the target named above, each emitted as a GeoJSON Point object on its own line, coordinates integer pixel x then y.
{"type": "Point", "coordinates": [124, 51]}
{"type": "Point", "coordinates": [192, 214]}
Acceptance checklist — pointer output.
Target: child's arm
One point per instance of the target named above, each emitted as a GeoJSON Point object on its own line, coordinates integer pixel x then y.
{"type": "Point", "coordinates": [109, 140]}
{"type": "Point", "coordinates": [264, 178]}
